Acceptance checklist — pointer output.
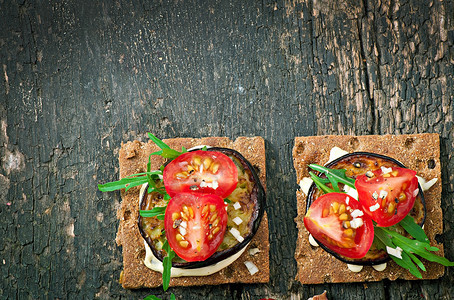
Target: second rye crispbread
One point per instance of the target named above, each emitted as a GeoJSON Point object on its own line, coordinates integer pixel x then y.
{"type": "Point", "coordinates": [133, 158]}
{"type": "Point", "coordinates": [419, 152]}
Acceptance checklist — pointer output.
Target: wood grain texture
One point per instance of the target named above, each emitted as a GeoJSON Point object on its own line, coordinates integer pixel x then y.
{"type": "Point", "coordinates": [80, 77]}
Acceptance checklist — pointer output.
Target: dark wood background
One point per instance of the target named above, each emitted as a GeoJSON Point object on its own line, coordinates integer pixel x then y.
{"type": "Point", "coordinates": [80, 77]}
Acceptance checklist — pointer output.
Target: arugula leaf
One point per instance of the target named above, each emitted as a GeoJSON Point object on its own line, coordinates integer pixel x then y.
{"type": "Point", "coordinates": [165, 151]}
{"type": "Point", "coordinates": [320, 183]}
{"type": "Point", "coordinates": [126, 183]}
{"type": "Point", "coordinates": [335, 176]}
{"type": "Point", "coordinates": [155, 212]}
{"type": "Point", "coordinates": [410, 226]}
{"type": "Point", "coordinates": [167, 265]}
{"type": "Point", "coordinates": [204, 148]}
{"type": "Point", "coordinates": [227, 200]}
{"type": "Point", "coordinates": [172, 297]}
{"type": "Point", "coordinates": [151, 297]}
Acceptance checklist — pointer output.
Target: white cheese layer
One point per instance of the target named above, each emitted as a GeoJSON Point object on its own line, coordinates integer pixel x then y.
{"type": "Point", "coordinates": [156, 265]}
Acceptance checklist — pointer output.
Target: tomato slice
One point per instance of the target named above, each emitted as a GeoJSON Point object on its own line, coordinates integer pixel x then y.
{"type": "Point", "coordinates": [195, 225]}
{"type": "Point", "coordinates": [337, 221]}
{"type": "Point", "coordinates": [387, 197]}
{"type": "Point", "coordinates": [209, 172]}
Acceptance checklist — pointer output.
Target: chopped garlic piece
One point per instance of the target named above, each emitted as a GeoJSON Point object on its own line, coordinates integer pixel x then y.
{"type": "Point", "coordinates": [397, 252]}
{"type": "Point", "coordinates": [354, 268]}
{"type": "Point", "coordinates": [380, 267]}
{"type": "Point", "coordinates": [182, 231]}
{"type": "Point", "coordinates": [251, 267]}
{"type": "Point", "coordinates": [236, 234]}
{"type": "Point", "coordinates": [237, 220]}
{"type": "Point", "coordinates": [305, 185]}
{"type": "Point", "coordinates": [374, 207]}
{"type": "Point", "coordinates": [237, 205]}
{"type": "Point", "coordinates": [214, 185]}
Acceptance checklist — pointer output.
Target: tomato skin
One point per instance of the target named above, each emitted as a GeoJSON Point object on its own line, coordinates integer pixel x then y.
{"type": "Point", "coordinates": [195, 225]}
{"type": "Point", "coordinates": [387, 198]}
{"type": "Point", "coordinates": [328, 228]}
{"type": "Point", "coordinates": [208, 172]}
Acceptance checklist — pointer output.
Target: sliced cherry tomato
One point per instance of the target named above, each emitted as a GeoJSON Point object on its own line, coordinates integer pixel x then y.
{"type": "Point", "coordinates": [195, 225]}
{"type": "Point", "coordinates": [337, 221]}
{"type": "Point", "coordinates": [200, 171]}
{"type": "Point", "coordinates": [387, 197]}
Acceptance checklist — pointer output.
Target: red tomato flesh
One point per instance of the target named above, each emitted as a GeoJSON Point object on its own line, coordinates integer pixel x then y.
{"type": "Point", "coordinates": [387, 197]}
{"type": "Point", "coordinates": [208, 172]}
{"type": "Point", "coordinates": [195, 225]}
{"type": "Point", "coordinates": [336, 220]}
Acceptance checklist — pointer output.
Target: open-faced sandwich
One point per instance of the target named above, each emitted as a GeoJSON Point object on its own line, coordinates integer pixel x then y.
{"type": "Point", "coordinates": [362, 215]}
{"type": "Point", "coordinates": [192, 212]}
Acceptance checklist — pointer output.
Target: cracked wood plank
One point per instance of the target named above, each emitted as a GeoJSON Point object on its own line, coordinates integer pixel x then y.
{"type": "Point", "coordinates": [80, 77]}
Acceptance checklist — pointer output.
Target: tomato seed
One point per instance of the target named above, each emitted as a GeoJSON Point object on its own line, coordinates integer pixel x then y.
{"type": "Point", "coordinates": [343, 217]}
{"type": "Point", "coordinates": [216, 222]}
{"type": "Point", "coordinates": [204, 210]}
{"type": "Point", "coordinates": [214, 168]}
{"type": "Point", "coordinates": [212, 207]}
{"type": "Point", "coordinates": [179, 237]}
{"type": "Point", "coordinates": [348, 232]}
{"type": "Point", "coordinates": [402, 197]}
{"type": "Point", "coordinates": [191, 212]}
{"type": "Point", "coordinates": [213, 217]}
{"type": "Point", "coordinates": [197, 161]}
{"type": "Point", "coordinates": [342, 208]}
{"type": "Point", "coordinates": [210, 236]}
{"type": "Point", "coordinates": [207, 163]}
{"type": "Point", "coordinates": [325, 213]}
{"type": "Point", "coordinates": [216, 229]}
{"type": "Point", "coordinates": [175, 216]}
{"type": "Point", "coordinates": [335, 206]}
{"type": "Point", "coordinates": [391, 207]}
{"type": "Point", "coordinates": [184, 244]}
{"type": "Point", "coordinates": [346, 224]}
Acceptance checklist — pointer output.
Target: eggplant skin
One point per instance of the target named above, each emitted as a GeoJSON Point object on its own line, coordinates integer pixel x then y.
{"type": "Point", "coordinates": [256, 201]}
{"type": "Point", "coordinates": [355, 164]}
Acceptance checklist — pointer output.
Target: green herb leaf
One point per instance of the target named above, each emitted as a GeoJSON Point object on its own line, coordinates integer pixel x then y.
{"type": "Point", "coordinates": [204, 148]}
{"type": "Point", "coordinates": [167, 265]}
{"type": "Point", "coordinates": [335, 176]}
{"type": "Point", "coordinates": [166, 151]}
{"type": "Point", "coordinates": [126, 183]}
{"type": "Point", "coordinates": [157, 141]}
{"type": "Point", "coordinates": [151, 297]}
{"type": "Point", "coordinates": [227, 200]}
{"type": "Point", "coordinates": [410, 226]}
{"type": "Point", "coordinates": [319, 182]}
{"type": "Point", "coordinates": [172, 297]}
{"type": "Point", "coordinates": [155, 212]}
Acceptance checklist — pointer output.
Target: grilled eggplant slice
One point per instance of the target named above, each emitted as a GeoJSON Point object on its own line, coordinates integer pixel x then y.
{"type": "Point", "coordinates": [249, 193]}
{"type": "Point", "coordinates": [355, 164]}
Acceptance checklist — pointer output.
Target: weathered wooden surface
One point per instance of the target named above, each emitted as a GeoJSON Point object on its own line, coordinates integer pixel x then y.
{"type": "Point", "coordinates": [80, 77]}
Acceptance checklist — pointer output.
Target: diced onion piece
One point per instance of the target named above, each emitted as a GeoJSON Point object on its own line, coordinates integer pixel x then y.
{"type": "Point", "coordinates": [380, 267]}
{"type": "Point", "coordinates": [251, 267]}
{"type": "Point", "coordinates": [354, 268]}
{"type": "Point", "coordinates": [312, 241]}
{"type": "Point", "coordinates": [182, 231]}
{"type": "Point", "coordinates": [237, 220]}
{"type": "Point", "coordinates": [397, 252]}
{"type": "Point", "coordinates": [236, 234]}
{"type": "Point", "coordinates": [237, 205]}
{"type": "Point", "coordinates": [305, 185]}
{"type": "Point", "coordinates": [254, 251]}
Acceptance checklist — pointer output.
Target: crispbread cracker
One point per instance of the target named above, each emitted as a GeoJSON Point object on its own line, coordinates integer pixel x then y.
{"type": "Point", "coordinates": [420, 152]}
{"type": "Point", "coordinates": [133, 159]}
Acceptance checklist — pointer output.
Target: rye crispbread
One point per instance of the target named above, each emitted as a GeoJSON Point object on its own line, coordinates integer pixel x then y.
{"type": "Point", "coordinates": [133, 158]}
{"type": "Point", "coordinates": [420, 152]}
